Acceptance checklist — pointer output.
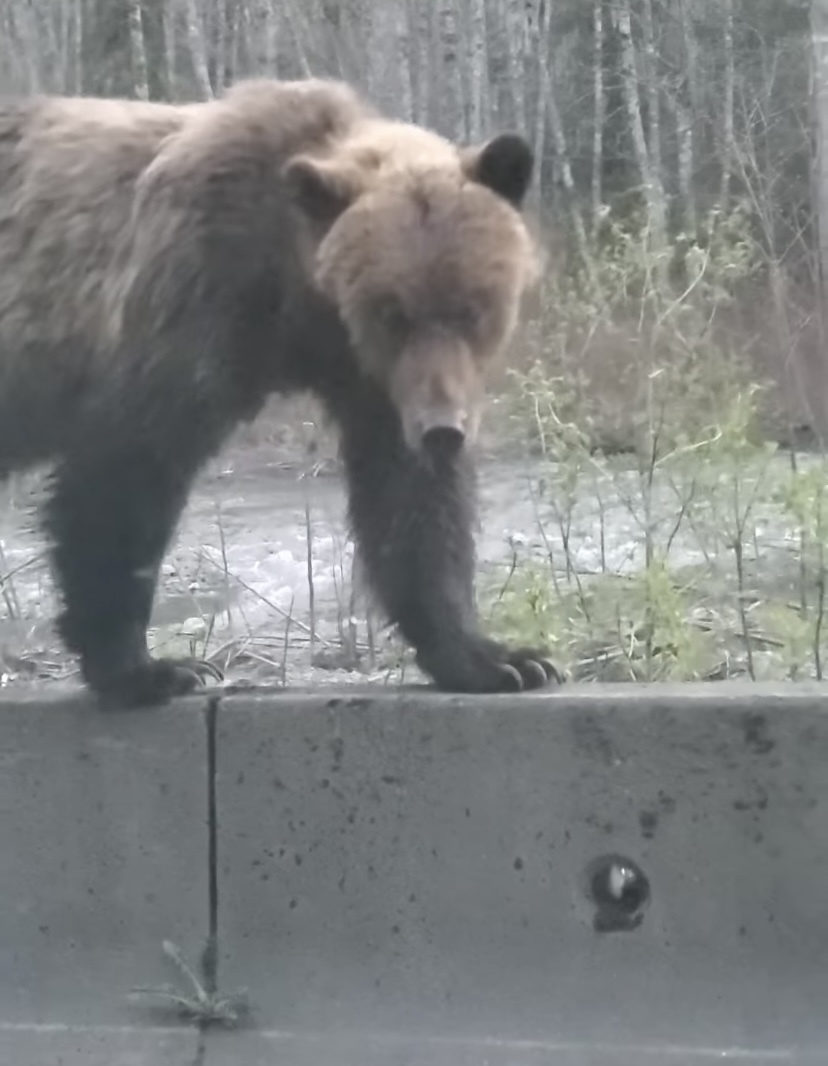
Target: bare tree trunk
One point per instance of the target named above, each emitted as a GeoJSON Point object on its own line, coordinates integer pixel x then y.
{"type": "Point", "coordinates": [819, 38]}
{"type": "Point", "coordinates": [26, 34]}
{"type": "Point", "coordinates": [234, 35]}
{"type": "Point", "coordinates": [198, 50]}
{"type": "Point", "coordinates": [264, 37]}
{"type": "Point", "coordinates": [50, 50]}
{"type": "Point", "coordinates": [420, 17]}
{"type": "Point", "coordinates": [478, 70]}
{"type": "Point", "coordinates": [78, 43]}
{"type": "Point", "coordinates": [293, 23]}
{"type": "Point", "coordinates": [66, 76]}
{"type": "Point", "coordinates": [561, 147]}
{"type": "Point", "coordinates": [454, 122]}
{"type": "Point", "coordinates": [688, 109]}
{"type": "Point", "coordinates": [598, 111]}
{"type": "Point", "coordinates": [220, 44]}
{"type": "Point", "coordinates": [650, 176]}
{"type": "Point", "coordinates": [271, 38]}
{"type": "Point", "coordinates": [234, 43]}
{"type": "Point", "coordinates": [652, 86]}
{"type": "Point", "coordinates": [399, 78]}
{"type": "Point", "coordinates": [684, 136]}
{"type": "Point", "coordinates": [539, 140]}
{"type": "Point", "coordinates": [17, 58]}
{"type": "Point", "coordinates": [138, 50]}
{"type": "Point", "coordinates": [691, 49]}
{"type": "Point", "coordinates": [389, 70]}
{"type": "Point", "coordinates": [727, 116]}
{"type": "Point", "coordinates": [402, 41]}
{"type": "Point", "coordinates": [680, 104]}
{"type": "Point", "coordinates": [516, 43]}
{"type": "Point", "coordinates": [168, 12]}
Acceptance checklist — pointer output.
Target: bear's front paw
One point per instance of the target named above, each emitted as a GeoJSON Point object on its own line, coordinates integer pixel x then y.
{"type": "Point", "coordinates": [155, 681]}
{"type": "Point", "coordinates": [479, 665]}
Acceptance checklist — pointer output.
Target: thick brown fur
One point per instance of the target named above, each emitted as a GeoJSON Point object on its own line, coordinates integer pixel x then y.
{"type": "Point", "coordinates": [164, 268]}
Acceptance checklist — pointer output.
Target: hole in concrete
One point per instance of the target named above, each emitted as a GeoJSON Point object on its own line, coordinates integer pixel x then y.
{"type": "Point", "coordinates": [619, 891]}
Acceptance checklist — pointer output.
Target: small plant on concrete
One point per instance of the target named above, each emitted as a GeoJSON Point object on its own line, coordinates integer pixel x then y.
{"type": "Point", "coordinates": [197, 1003]}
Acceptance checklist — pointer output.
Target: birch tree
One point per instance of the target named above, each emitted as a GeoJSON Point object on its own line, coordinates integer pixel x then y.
{"type": "Point", "coordinates": [198, 49]}
{"type": "Point", "coordinates": [819, 40]}
{"type": "Point", "coordinates": [651, 78]}
{"type": "Point", "coordinates": [478, 73]}
{"type": "Point", "coordinates": [138, 49]}
{"type": "Point", "coordinates": [77, 37]}
{"type": "Point", "coordinates": [170, 53]}
{"type": "Point", "coordinates": [651, 182]}
{"type": "Point", "coordinates": [693, 79]}
{"type": "Point", "coordinates": [682, 101]}
{"type": "Point", "coordinates": [727, 103]}
{"type": "Point", "coordinates": [598, 111]}
{"type": "Point", "coordinates": [516, 38]}
{"type": "Point", "coordinates": [561, 148]}
{"type": "Point", "coordinates": [420, 17]}
{"type": "Point", "coordinates": [453, 116]}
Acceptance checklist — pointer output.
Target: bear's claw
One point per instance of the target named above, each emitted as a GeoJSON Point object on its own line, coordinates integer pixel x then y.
{"type": "Point", "coordinates": [534, 669]}
{"type": "Point", "coordinates": [156, 681]}
{"type": "Point", "coordinates": [204, 670]}
{"type": "Point", "coordinates": [531, 670]}
{"type": "Point", "coordinates": [485, 666]}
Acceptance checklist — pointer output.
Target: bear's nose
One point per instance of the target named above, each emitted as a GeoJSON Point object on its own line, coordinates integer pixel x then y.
{"type": "Point", "coordinates": [444, 440]}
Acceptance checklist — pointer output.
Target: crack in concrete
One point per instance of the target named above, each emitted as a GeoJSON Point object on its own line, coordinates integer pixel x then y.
{"type": "Point", "coordinates": [209, 962]}
{"type": "Point", "coordinates": [201, 1051]}
{"type": "Point", "coordinates": [210, 955]}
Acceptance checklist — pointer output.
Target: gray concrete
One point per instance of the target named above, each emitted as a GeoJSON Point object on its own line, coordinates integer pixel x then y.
{"type": "Point", "coordinates": [411, 867]}
{"type": "Point", "coordinates": [103, 841]}
{"type": "Point", "coordinates": [303, 1050]}
{"type": "Point", "coordinates": [403, 879]}
{"type": "Point", "coordinates": [98, 1046]}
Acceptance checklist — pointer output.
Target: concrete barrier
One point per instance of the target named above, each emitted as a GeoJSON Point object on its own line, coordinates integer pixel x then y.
{"type": "Point", "coordinates": [593, 877]}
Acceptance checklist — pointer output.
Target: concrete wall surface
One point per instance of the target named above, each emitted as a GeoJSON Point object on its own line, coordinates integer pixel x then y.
{"type": "Point", "coordinates": [598, 876]}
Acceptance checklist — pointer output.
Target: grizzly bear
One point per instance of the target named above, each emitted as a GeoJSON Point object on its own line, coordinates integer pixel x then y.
{"type": "Point", "coordinates": [163, 268]}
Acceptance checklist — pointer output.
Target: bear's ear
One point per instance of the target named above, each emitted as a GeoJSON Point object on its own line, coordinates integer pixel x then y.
{"type": "Point", "coordinates": [321, 189]}
{"type": "Point", "coordinates": [504, 164]}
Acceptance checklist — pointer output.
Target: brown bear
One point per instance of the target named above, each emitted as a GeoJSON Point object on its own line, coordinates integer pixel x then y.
{"type": "Point", "coordinates": [163, 268]}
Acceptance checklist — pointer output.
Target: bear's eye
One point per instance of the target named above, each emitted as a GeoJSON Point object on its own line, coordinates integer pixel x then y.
{"type": "Point", "coordinates": [391, 314]}
{"type": "Point", "coordinates": [465, 317]}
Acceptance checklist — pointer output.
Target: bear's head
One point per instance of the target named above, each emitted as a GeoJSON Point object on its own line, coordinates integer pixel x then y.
{"type": "Point", "coordinates": [421, 247]}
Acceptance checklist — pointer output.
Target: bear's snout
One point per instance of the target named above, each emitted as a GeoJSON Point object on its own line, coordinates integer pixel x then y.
{"type": "Point", "coordinates": [445, 435]}
{"type": "Point", "coordinates": [436, 388]}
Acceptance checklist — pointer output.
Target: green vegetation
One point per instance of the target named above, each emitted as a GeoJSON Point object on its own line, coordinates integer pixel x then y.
{"type": "Point", "coordinates": [724, 573]}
